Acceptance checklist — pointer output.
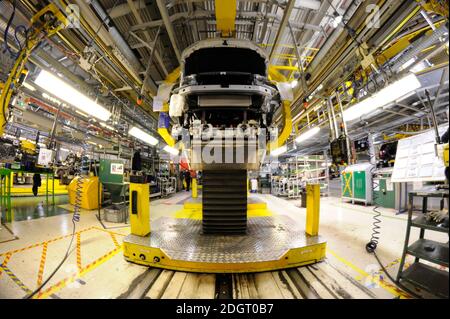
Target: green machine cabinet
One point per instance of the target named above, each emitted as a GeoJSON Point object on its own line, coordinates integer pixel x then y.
{"type": "Point", "coordinates": [388, 194]}
{"type": "Point", "coordinates": [5, 195]}
{"type": "Point", "coordinates": [359, 182]}
{"type": "Point", "coordinates": [111, 176]}
{"type": "Point", "coordinates": [356, 183]}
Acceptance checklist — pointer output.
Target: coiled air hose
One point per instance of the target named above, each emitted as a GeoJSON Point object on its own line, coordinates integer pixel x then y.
{"type": "Point", "coordinates": [372, 245]}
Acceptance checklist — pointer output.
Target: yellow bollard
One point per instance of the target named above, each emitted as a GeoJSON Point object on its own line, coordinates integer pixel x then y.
{"type": "Point", "coordinates": [194, 188]}
{"type": "Point", "coordinates": [312, 209]}
{"type": "Point", "coordinates": [139, 206]}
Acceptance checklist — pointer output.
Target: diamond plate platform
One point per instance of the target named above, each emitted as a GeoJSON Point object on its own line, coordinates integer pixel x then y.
{"type": "Point", "coordinates": [270, 243]}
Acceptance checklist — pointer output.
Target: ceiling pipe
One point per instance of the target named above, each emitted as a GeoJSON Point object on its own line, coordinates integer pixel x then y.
{"type": "Point", "coordinates": [120, 42]}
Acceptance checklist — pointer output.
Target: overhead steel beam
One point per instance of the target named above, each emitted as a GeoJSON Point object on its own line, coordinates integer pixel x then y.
{"type": "Point", "coordinates": [153, 51]}
{"type": "Point", "coordinates": [169, 27]}
{"type": "Point", "coordinates": [143, 43]}
{"type": "Point", "coordinates": [180, 15]}
{"type": "Point", "coordinates": [202, 14]}
{"type": "Point", "coordinates": [282, 27]}
{"type": "Point", "coordinates": [193, 24]}
{"type": "Point", "coordinates": [149, 63]}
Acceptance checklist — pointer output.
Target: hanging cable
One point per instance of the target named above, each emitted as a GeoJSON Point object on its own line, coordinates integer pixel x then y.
{"type": "Point", "coordinates": [5, 34]}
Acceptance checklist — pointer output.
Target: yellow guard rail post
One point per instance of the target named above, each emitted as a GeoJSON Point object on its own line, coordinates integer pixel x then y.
{"type": "Point", "coordinates": [312, 209]}
{"type": "Point", "coordinates": [139, 207]}
{"type": "Point", "coordinates": [194, 188]}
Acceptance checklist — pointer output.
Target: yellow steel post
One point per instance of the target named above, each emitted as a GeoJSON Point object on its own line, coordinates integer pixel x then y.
{"type": "Point", "coordinates": [194, 188]}
{"type": "Point", "coordinates": [139, 206]}
{"type": "Point", "coordinates": [312, 209]}
{"type": "Point", "coordinates": [446, 155]}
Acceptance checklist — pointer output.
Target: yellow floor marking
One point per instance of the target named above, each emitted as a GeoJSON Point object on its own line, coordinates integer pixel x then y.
{"type": "Point", "coordinates": [42, 264]}
{"type": "Point", "coordinates": [42, 243]}
{"type": "Point", "coordinates": [386, 286]}
{"type": "Point", "coordinates": [114, 240]}
{"type": "Point", "coordinates": [4, 263]}
{"type": "Point", "coordinates": [79, 252]}
{"type": "Point", "coordinates": [64, 282]}
{"type": "Point", "coordinates": [15, 279]}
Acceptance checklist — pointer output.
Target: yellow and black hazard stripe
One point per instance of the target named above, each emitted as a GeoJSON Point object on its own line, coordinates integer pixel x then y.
{"type": "Point", "coordinates": [5, 262]}
{"type": "Point", "coordinates": [16, 280]}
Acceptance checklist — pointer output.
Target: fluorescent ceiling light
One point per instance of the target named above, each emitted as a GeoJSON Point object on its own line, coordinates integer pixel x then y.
{"type": "Point", "coordinates": [294, 83]}
{"type": "Point", "coordinates": [407, 64]}
{"type": "Point", "coordinates": [29, 86]}
{"type": "Point", "coordinates": [82, 114]}
{"type": "Point", "coordinates": [421, 66]}
{"type": "Point", "coordinates": [51, 99]}
{"type": "Point", "coordinates": [109, 127]}
{"type": "Point", "coordinates": [308, 4]}
{"type": "Point", "coordinates": [143, 136]}
{"type": "Point", "coordinates": [385, 96]}
{"type": "Point", "coordinates": [170, 150]}
{"type": "Point", "coordinates": [307, 135]}
{"type": "Point", "coordinates": [279, 151]}
{"type": "Point", "coordinates": [67, 93]}
{"type": "Point", "coordinates": [336, 21]}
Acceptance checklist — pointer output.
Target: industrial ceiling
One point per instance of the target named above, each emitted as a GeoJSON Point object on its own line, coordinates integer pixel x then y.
{"type": "Point", "coordinates": [119, 51]}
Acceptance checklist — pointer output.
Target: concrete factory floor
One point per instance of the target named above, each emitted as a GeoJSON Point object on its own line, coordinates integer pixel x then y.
{"type": "Point", "coordinates": [96, 268]}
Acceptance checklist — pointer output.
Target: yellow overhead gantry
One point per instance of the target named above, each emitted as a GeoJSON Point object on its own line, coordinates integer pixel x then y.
{"type": "Point", "coordinates": [226, 17]}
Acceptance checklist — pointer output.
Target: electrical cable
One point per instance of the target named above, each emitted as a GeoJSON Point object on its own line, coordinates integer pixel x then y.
{"type": "Point", "coordinates": [8, 25]}
{"type": "Point", "coordinates": [372, 245]}
{"type": "Point", "coordinates": [57, 267]}
{"type": "Point", "coordinates": [25, 31]}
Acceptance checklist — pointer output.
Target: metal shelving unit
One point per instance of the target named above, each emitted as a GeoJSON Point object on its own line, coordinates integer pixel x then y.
{"type": "Point", "coordinates": [424, 276]}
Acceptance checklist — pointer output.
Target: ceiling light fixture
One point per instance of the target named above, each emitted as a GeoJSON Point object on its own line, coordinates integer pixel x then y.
{"type": "Point", "coordinates": [67, 93]}
{"type": "Point", "coordinates": [294, 83]}
{"type": "Point", "coordinates": [307, 135]}
{"type": "Point", "coordinates": [383, 97]}
{"type": "Point", "coordinates": [29, 86]}
{"type": "Point", "coordinates": [279, 151]}
{"type": "Point", "coordinates": [143, 136]}
{"type": "Point", "coordinates": [171, 150]}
